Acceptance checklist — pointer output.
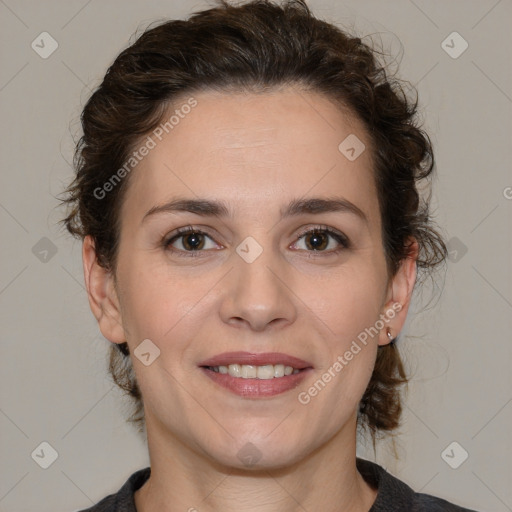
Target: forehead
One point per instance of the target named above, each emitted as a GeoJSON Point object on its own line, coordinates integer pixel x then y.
{"type": "Point", "coordinates": [253, 150]}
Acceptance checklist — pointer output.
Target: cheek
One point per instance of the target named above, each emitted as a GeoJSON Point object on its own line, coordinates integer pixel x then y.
{"type": "Point", "coordinates": [165, 306]}
{"type": "Point", "coordinates": [349, 306]}
{"type": "Point", "coordinates": [152, 301]}
{"type": "Point", "coordinates": [348, 302]}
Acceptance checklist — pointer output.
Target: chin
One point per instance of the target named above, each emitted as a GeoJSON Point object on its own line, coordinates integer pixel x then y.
{"type": "Point", "coordinates": [257, 452]}
{"type": "Point", "coordinates": [254, 458]}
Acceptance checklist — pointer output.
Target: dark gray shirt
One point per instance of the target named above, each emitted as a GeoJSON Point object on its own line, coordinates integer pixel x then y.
{"type": "Point", "coordinates": [393, 495]}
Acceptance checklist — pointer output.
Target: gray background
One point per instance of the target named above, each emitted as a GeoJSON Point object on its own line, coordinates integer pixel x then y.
{"type": "Point", "coordinates": [53, 358]}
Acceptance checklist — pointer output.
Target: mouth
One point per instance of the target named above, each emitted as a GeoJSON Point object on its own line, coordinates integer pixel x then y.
{"type": "Point", "coordinates": [256, 375]}
{"type": "Point", "coordinates": [249, 371]}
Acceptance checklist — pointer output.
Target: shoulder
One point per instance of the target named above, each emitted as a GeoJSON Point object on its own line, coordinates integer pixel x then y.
{"type": "Point", "coordinates": [393, 495]}
{"type": "Point", "coordinates": [426, 502]}
{"type": "Point", "coordinates": [123, 500]}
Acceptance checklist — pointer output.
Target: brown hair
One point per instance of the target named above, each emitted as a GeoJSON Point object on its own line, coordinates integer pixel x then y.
{"type": "Point", "coordinates": [253, 47]}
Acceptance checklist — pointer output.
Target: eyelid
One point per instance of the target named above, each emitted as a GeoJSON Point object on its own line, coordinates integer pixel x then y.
{"type": "Point", "coordinates": [322, 227]}
{"type": "Point", "coordinates": [334, 233]}
{"type": "Point", "coordinates": [340, 237]}
{"type": "Point", "coordinates": [180, 232]}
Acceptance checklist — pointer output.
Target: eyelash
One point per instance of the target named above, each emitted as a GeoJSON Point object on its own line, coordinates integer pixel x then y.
{"type": "Point", "coordinates": [180, 232]}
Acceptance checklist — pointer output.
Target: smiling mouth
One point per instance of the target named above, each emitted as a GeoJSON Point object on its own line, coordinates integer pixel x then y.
{"type": "Point", "coordinates": [248, 371]}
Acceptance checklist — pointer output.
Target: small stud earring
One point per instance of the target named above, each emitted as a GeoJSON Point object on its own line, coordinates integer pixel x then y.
{"type": "Point", "coordinates": [388, 332]}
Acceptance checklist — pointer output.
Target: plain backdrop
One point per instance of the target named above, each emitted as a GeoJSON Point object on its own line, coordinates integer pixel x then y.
{"type": "Point", "coordinates": [54, 384]}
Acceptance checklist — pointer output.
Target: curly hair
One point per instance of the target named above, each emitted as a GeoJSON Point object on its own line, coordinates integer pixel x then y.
{"type": "Point", "coordinates": [254, 47]}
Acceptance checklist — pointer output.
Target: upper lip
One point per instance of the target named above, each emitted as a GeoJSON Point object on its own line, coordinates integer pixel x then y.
{"type": "Point", "coordinates": [261, 359]}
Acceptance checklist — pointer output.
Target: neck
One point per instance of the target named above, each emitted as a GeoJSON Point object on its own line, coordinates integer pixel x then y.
{"type": "Point", "coordinates": [183, 479]}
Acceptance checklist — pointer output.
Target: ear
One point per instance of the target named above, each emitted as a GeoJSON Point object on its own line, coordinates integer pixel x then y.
{"type": "Point", "coordinates": [399, 295]}
{"type": "Point", "coordinates": [103, 298]}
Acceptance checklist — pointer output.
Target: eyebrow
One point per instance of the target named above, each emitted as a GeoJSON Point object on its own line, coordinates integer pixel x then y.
{"type": "Point", "coordinates": [296, 207]}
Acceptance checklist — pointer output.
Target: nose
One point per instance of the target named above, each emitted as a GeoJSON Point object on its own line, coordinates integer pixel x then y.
{"type": "Point", "coordinates": [258, 294]}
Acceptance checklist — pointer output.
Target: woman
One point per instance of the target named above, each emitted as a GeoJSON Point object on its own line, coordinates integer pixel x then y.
{"type": "Point", "coordinates": [246, 192]}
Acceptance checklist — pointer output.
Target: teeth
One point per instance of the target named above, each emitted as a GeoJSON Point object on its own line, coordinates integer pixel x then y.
{"type": "Point", "coordinates": [249, 371]}
{"type": "Point", "coordinates": [279, 370]}
{"type": "Point", "coordinates": [265, 372]}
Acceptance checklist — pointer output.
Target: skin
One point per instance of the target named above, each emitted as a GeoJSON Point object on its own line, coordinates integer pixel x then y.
{"type": "Point", "coordinates": [256, 152]}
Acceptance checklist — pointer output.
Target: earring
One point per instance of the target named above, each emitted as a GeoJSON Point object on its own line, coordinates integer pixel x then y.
{"type": "Point", "coordinates": [391, 339]}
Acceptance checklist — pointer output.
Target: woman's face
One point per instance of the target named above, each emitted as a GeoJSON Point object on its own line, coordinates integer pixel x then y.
{"type": "Point", "coordinates": [249, 279]}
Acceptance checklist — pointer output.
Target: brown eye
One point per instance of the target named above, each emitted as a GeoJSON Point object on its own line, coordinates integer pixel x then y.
{"type": "Point", "coordinates": [193, 241]}
{"type": "Point", "coordinates": [189, 240]}
{"type": "Point", "coordinates": [316, 240]}
{"type": "Point", "coordinates": [319, 239]}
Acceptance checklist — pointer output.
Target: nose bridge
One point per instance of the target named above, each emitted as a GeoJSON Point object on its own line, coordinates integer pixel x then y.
{"type": "Point", "coordinates": [257, 292]}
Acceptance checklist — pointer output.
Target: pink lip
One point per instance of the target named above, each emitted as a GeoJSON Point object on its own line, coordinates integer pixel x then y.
{"type": "Point", "coordinates": [257, 388]}
{"type": "Point", "coordinates": [262, 359]}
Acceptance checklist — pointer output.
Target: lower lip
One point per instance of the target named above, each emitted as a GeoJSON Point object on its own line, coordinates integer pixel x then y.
{"type": "Point", "coordinates": [255, 388]}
